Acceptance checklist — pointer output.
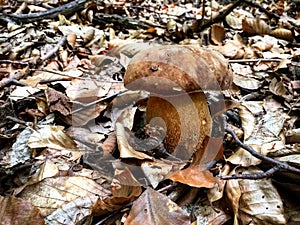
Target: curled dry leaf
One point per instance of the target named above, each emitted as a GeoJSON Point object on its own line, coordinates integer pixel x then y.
{"type": "Point", "coordinates": [156, 171]}
{"type": "Point", "coordinates": [234, 21]}
{"type": "Point", "coordinates": [253, 26]}
{"type": "Point", "coordinates": [232, 49]}
{"type": "Point", "coordinates": [283, 33]}
{"type": "Point", "coordinates": [71, 39]}
{"type": "Point", "coordinates": [125, 189]}
{"type": "Point", "coordinates": [217, 34]}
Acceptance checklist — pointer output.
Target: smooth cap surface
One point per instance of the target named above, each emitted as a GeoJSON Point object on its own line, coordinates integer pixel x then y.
{"type": "Point", "coordinates": [172, 69]}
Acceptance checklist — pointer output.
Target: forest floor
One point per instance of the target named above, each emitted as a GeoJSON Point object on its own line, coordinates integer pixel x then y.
{"type": "Point", "coordinates": [75, 147]}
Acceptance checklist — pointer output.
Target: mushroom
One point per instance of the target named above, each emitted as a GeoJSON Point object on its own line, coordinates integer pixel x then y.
{"type": "Point", "coordinates": [176, 77]}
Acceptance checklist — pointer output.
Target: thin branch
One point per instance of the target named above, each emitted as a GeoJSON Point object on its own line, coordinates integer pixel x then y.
{"type": "Point", "coordinates": [255, 176]}
{"type": "Point", "coordinates": [220, 17]}
{"type": "Point", "coordinates": [249, 149]}
{"type": "Point", "coordinates": [66, 9]}
{"type": "Point", "coordinates": [253, 60]}
{"type": "Point", "coordinates": [55, 49]}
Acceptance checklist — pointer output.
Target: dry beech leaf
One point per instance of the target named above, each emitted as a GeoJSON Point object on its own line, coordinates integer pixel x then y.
{"type": "Point", "coordinates": [253, 26]}
{"type": "Point", "coordinates": [277, 87]}
{"type": "Point", "coordinates": [207, 214]}
{"type": "Point", "coordinates": [71, 39]}
{"type": "Point", "coordinates": [246, 82]}
{"type": "Point", "coordinates": [19, 211]}
{"type": "Point", "coordinates": [248, 121]}
{"type": "Point", "coordinates": [57, 101]}
{"type": "Point", "coordinates": [125, 189]}
{"type": "Point", "coordinates": [155, 208]}
{"type": "Point", "coordinates": [22, 92]}
{"type": "Point", "coordinates": [233, 21]}
{"type": "Point", "coordinates": [53, 193]}
{"type": "Point", "coordinates": [255, 201]}
{"type": "Point", "coordinates": [109, 145]}
{"type": "Point", "coordinates": [126, 150]}
{"type": "Point", "coordinates": [283, 33]}
{"type": "Point", "coordinates": [194, 176]}
{"type": "Point", "coordinates": [217, 34]}
{"type": "Point", "coordinates": [156, 171]}
{"type": "Point", "coordinates": [244, 158]}
{"type": "Point", "coordinates": [262, 46]}
{"type": "Point", "coordinates": [51, 137]}
{"type": "Point", "coordinates": [267, 128]}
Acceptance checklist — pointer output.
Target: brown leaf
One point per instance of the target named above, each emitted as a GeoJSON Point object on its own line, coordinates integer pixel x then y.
{"type": "Point", "coordinates": [217, 34]}
{"type": "Point", "coordinates": [126, 150]}
{"type": "Point", "coordinates": [18, 211]}
{"type": "Point", "coordinates": [253, 26]}
{"type": "Point", "coordinates": [283, 33]}
{"type": "Point", "coordinates": [258, 200]}
{"type": "Point", "coordinates": [51, 137]}
{"type": "Point", "coordinates": [125, 189]}
{"type": "Point", "coordinates": [195, 177]}
{"type": "Point", "coordinates": [155, 208]}
{"type": "Point", "coordinates": [57, 192]}
{"type": "Point", "coordinates": [58, 102]}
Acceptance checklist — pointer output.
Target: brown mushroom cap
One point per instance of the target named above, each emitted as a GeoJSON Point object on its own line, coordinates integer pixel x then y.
{"type": "Point", "coordinates": [170, 69]}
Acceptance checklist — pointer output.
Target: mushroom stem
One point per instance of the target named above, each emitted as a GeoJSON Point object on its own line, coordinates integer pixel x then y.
{"type": "Point", "coordinates": [187, 121]}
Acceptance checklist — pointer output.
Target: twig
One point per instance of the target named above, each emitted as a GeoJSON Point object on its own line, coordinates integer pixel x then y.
{"type": "Point", "coordinates": [6, 61]}
{"type": "Point", "coordinates": [220, 17]}
{"type": "Point", "coordinates": [17, 76]}
{"type": "Point", "coordinates": [255, 176]}
{"type": "Point", "coordinates": [253, 60]}
{"type": "Point", "coordinates": [249, 149]}
{"type": "Point", "coordinates": [55, 49]}
{"type": "Point", "coordinates": [97, 101]}
{"type": "Point", "coordinates": [66, 9]}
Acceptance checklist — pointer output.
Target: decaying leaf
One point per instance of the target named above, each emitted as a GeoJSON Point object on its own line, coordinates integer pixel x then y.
{"type": "Point", "coordinates": [155, 208]}
{"type": "Point", "coordinates": [157, 170]}
{"type": "Point", "coordinates": [20, 152]}
{"type": "Point", "coordinates": [255, 26]}
{"type": "Point", "coordinates": [19, 211]}
{"type": "Point", "coordinates": [51, 137]}
{"type": "Point", "coordinates": [56, 193]}
{"type": "Point", "coordinates": [234, 21]}
{"type": "Point", "coordinates": [125, 189]}
{"type": "Point", "coordinates": [255, 201]}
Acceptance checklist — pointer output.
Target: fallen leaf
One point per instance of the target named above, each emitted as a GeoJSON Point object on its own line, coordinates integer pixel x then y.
{"type": "Point", "coordinates": [194, 176]}
{"type": "Point", "coordinates": [19, 211]}
{"type": "Point", "coordinates": [155, 208]}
